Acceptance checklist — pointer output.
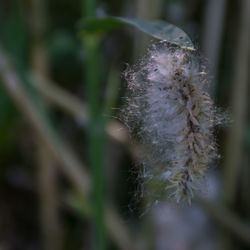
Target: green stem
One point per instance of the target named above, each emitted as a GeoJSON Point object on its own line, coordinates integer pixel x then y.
{"type": "Point", "coordinates": [96, 128]}
{"type": "Point", "coordinates": [96, 137]}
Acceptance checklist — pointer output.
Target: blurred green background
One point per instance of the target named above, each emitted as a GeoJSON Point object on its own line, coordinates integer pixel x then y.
{"type": "Point", "coordinates": [69, 170]}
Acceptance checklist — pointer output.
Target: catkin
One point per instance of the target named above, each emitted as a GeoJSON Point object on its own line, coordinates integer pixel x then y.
{"type": "Point", "coordinates": [169, 111]}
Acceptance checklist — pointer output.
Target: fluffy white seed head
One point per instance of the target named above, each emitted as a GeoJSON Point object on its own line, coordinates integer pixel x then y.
{"type": "Point", "coordinates": [170, 112]}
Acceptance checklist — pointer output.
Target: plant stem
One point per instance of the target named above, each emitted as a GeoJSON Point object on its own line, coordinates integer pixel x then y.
{"type": "Point", "coordinates": [96, 128]}
{"type": "Point", "coordinates": [239, 101]}
{"type": "Point", "coordinates": [96, 138]}
{"type": "Point", "coordinates": [47, 181]}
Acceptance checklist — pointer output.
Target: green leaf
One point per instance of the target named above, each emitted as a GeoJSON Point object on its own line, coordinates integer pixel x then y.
{"type": "Point", "coordinates": [158, 29]}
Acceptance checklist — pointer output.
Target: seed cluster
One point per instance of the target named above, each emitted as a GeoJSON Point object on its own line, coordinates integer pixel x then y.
{"type": "Point", "coordinates": [170, 112]}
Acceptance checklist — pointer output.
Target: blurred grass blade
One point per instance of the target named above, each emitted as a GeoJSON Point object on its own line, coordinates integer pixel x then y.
{"type": "Point", "coordinates": [68, 162]}
{"type": "Point", "coordinates": [157, 29]}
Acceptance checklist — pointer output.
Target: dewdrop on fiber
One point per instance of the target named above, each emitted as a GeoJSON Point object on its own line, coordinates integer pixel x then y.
{"type": "Point", "coordinates": [171, 114]}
